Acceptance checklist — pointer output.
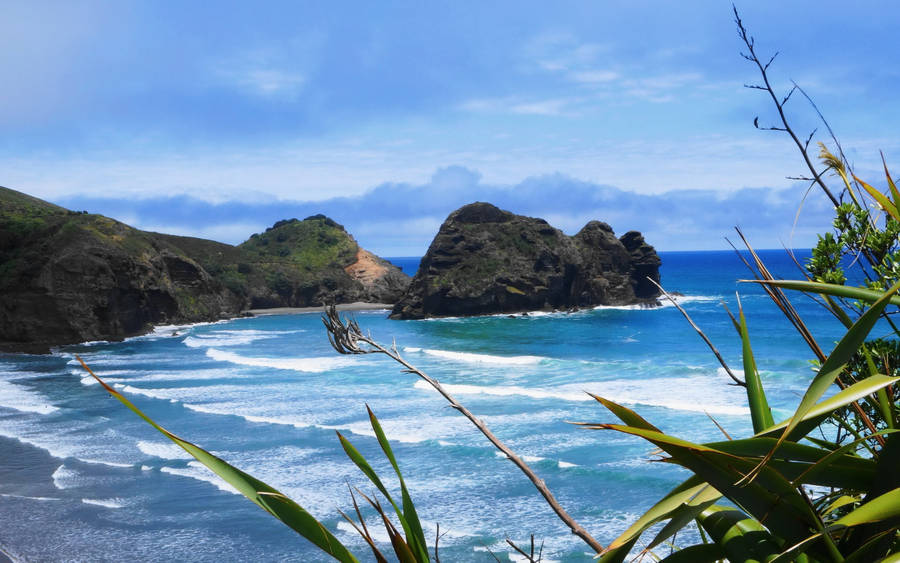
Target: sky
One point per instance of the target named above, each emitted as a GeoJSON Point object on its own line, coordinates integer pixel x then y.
{"type": "Point", "coordinates": [218, 119]}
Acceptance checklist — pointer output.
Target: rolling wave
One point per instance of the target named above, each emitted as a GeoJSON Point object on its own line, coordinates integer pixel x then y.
{"type": "Point", "coordinates": [698, 394]}
{"type": "Point", "coordinates": [309, 365]}
{"type": "Point", "coordinates": [469, 357]}
{"type": "Point", "coordinates": [19, 398]}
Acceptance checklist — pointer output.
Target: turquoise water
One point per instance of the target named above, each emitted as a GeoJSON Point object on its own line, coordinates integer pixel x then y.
{"type": "Point", "coordinates": [82, 478]}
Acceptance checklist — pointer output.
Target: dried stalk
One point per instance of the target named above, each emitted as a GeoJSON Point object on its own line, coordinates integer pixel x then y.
{"type": "Point", "coordinates": [715, 351]}
{"type": "Point", "coordinates": [346, 337]}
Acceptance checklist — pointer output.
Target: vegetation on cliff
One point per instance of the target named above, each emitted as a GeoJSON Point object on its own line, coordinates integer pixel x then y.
{"type": "Point", "coordinates": [68, 276]}
{"type": "Point", "coordinates": [485, 260]}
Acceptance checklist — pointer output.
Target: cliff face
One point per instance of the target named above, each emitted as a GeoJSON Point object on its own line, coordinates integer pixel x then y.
{"type": "Point", "coordinates": [485, 260]}
{"type": "Point", "coordinates": [68, 277]}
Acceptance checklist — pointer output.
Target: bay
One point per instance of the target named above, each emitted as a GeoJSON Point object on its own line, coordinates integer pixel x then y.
{"type": "Point", "coordinates": [82, 478]}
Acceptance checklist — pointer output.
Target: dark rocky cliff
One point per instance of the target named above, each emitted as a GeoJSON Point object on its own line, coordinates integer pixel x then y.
{"type": "Point", "coordinates": [485, 260]}
{"type": "Point", "coordinates": [68, 277]}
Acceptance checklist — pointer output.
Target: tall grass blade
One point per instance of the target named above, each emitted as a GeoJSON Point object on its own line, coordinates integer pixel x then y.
{"type": "Point", "coordinates": [693, 489]}
{"type": "Point", "coordinates": [760, 413]}
{"type": "Point", "coordinates": [822, 410]}
{"type": "Point", "coordinates": [410, 521]}
{"type": "Point", "coordinates": [862, 294]}
{"type": "Point", "coordinates": [625, 414]}
{"type": "Point", "coordinates": [882, 200]}
{"type": "Point", "coordinates": [832, 367]}
{"type": "Point", "coordinates": [741, 538]}
{"type": "Point", "coordinates": [883, 507]}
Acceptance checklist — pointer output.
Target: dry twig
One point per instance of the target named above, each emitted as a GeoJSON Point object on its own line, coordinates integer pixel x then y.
{"type": "Point", "coordinates": [346, 337]}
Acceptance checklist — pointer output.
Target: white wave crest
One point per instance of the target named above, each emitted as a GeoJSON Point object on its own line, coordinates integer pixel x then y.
{"type": "Point", "coordinates": [283, 420]}
{"type": "Point", "coordinates": [19, 398]}
{"type": "Point", "coordinates": [105, 502]}
{"type": "Point", "coordinates": [7, 495]}
{"type": "Point", "coordinates": [232, 337]}
{"type": "Point", "coordinates": [310, 365]}
{"type": "Point", "coordinates": [65, 478]}
{"type": "Point", "coordinates": [163, 450]}
{"type": "Point", "coordinates": [663, 303]}
{"type": "Point", "coordinates": [698, 394]}
{"type": "Point", "coordinates": [469, 357]}
{"type": "Point", "coordinates": [198, 471]}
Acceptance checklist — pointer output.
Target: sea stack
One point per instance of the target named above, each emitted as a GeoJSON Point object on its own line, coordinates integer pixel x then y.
{"type": "Point", "coordinates": [484, 260]}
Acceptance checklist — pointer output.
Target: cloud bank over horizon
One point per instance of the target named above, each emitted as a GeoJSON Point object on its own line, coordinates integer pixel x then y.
{"type": "Point", "coordinates": [400, 219]}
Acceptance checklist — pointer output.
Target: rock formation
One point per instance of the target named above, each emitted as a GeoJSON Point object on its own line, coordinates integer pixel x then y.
{"type": "Point", "coordinates": [484, 260]}
{"type": "Point", "coordinates": [68, 277]}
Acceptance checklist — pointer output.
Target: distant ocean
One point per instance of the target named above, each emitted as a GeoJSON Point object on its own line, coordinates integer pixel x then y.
{"type": "Point", "coordinates": [83, 479]}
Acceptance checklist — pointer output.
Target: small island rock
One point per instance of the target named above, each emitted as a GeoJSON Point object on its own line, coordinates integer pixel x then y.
{"type": "Point", "coordinates": [484, 260]}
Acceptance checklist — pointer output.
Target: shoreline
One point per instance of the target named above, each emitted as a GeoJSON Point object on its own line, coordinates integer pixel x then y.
{"type": "Point", "coordinates": [355, 306]}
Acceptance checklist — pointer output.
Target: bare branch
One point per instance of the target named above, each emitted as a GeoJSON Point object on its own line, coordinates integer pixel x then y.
{"type": "Point", "coordinates": [528, 556]}
{"type": "Point", "coordinates": [346, 337]}
{"type": "Point", "coordinates": [788, 97]}
{"type": "Point", "coordinates": [767, 86]}
{"type": "Point", "coordinates": [706, 339]}
{"type": "Point", "coordinates": [808, 139]}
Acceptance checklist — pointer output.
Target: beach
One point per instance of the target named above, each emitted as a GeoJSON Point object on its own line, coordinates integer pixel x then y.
{"type": "Point", "coordinates": [356, 306]}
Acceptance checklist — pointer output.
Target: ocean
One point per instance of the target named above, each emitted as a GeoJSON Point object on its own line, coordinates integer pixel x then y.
{"type": "Point", "coordinates": [83, 479]}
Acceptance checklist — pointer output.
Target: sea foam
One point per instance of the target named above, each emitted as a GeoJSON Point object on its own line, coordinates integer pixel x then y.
{"type": "Point", "coordinates": [699, 394]}
{"type": "Point", "coordinates": [469, 357]}
{"type": "Point", "coordinates": [20, 398]}
{"type": "Point", "coordinates": [311, 365]}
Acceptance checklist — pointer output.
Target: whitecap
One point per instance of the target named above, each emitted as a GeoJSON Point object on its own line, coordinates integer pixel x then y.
{"type": "Point", "coordinates": [565, 464]}
{"type": "Point", "coordinates": [163, 450]}
{"type": "Point", "coordinates": [22, 399]}
{"type": "Point", "coordinates": [312, 365]}
{"type": "Point", "coordinates": [7, 495]}
{"type": "Point", "coordinates": [198, 471]}
{"type": "Point", "coordinates": [106, 503]}
{"type": "Point", "coordinates": [65, 478]}
{"type": "Point", "coordinates": [469, 357]}
{"type": "Point", "coordinates": [698, 394]}
{"type": "Point", "coordinates": [282, 420]}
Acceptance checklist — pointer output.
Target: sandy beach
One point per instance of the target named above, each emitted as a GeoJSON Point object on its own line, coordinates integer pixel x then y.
{"type": "Point", "coordinates": [356, 306]}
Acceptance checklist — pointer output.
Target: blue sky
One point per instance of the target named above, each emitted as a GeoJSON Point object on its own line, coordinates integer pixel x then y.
{"type": "Point", "coordinates": [216, 120]}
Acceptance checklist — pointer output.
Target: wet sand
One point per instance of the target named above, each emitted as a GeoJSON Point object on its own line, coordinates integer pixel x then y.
{"type": "Point", "coordinates": [357, 306]}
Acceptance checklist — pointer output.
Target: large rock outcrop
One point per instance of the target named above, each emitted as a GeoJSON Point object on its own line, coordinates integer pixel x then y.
{"type": "Point", "coordinates": [68, 277]}
{"type": "Point", "coordinates": [484, 260]}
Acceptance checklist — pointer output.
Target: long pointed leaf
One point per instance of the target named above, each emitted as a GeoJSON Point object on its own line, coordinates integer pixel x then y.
{"type": "Point", "coordinates": [624, 414]}
{"type": "Point", "coordinates": [760, 413]}
{"type": "Point", "coordinates": [267, 497]}
{"type": "Point", "coordinates": [741, 538]}
{"type": "Point", "coordinates": [882, 200]}
{"type": "Point", "coordinates": [884, 507]}
{"type": "Point", "coordinates": [850, 292]}
{"type": "Point", "coordinates": [823, 409]}
{"type": "Point", "coordinates": [410, 521]}
{"type": "Point", "coordinates": [679, 496]}
{"type": "Point", "coordinates": [696, 554]}
{"type": "Point", "coordinates": [770, 497]}
{"type": "Point", "coordinates": [832, 366]}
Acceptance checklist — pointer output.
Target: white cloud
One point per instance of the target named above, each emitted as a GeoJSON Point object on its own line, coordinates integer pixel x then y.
{"type": "Point", "coordinates": [595, 76]}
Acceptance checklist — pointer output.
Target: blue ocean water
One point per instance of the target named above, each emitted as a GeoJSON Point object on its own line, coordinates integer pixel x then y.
{"type": "Point", "coordinates": [82, 478]}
